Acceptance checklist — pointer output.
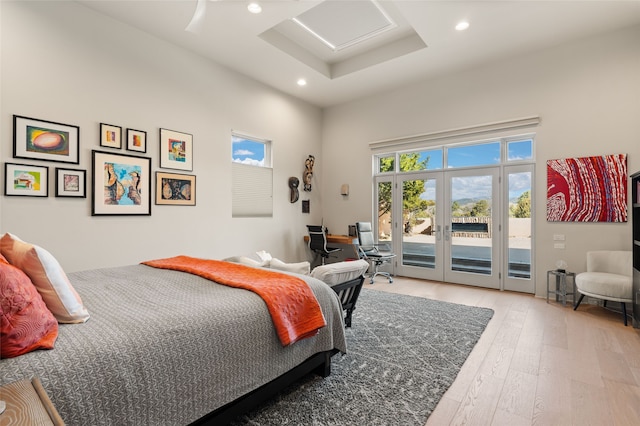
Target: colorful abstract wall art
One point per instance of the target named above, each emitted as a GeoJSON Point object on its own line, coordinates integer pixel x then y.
{"type": "Point", "coordinates": [587, 189]}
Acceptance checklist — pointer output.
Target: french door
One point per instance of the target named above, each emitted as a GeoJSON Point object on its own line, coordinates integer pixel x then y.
{"type": "Point", "coordinates": [458, 226]}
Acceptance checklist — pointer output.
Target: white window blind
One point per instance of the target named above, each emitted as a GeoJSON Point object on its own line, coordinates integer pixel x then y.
{"type": "Point", "coordinates": [252, 191]}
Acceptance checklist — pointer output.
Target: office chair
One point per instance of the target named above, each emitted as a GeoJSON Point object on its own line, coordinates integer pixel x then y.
{"type": "Point", "coordinates": [318, 242]}
{"type": "Point", "coordinates": [371, 252]}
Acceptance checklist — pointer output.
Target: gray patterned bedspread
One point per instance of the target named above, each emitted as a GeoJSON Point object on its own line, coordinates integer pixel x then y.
{"type": "Point", "coordinates": [165, 347]}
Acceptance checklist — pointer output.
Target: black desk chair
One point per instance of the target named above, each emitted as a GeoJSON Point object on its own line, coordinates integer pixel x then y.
{"type": "Point", "coordinates": [318, 242]}
{"type": "Point", "coordinates": [372, 252]}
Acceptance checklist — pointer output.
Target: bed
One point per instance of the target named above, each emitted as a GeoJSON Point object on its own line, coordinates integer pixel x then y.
{"type": "Point", "coordinates": [168, 347]}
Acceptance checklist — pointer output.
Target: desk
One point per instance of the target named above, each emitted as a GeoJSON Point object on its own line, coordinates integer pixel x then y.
{"type": "Point", "coordinates": [337, 239]}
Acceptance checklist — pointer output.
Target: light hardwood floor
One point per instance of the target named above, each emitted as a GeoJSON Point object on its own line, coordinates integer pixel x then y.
{"type": "Point", "coordinates": [537, 363]}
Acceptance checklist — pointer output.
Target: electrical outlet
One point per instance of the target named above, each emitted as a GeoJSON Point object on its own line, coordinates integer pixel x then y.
{"type": "Point", "coordinates": [558, 237]}
{"type": "Point", "coordinates": [558, 246]}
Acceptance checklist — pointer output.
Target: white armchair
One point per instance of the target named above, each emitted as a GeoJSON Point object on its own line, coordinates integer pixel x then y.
{"type": "Point", "coordinates": [608, 277]}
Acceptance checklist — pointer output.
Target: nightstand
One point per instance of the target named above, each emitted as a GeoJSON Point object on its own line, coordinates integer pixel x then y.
{"type": "Point", "coordinates": [28, 404]}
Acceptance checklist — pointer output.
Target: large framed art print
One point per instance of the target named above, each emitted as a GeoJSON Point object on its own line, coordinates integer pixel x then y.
{"type": "Point", "coordinates": [121, 184]}
{"type": "Point", "coordinates": [587, 189]}
{"type": "Point", "coordinates": [45, 140]}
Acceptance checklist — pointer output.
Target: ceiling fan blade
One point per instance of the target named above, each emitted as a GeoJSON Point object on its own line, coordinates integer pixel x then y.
{"type": "Point", "coordinates": [198, 16]}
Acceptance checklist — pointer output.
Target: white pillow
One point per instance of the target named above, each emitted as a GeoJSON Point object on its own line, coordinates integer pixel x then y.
{"type": "Point", "coordinates": [244, 260]}
{"type": "Point", "coordinates": [47, 275]}
{"type": "Point", "coordinates": [336, 273]}
{"type": "Point", "coordinates": [264, 256]}
{"type": "Point", "coordinates": [299, 268]}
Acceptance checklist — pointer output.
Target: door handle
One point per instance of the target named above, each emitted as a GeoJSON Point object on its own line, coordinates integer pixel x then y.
{"type": "Point", "coordinates": [438, 232]}
{"type": "Point", "coordinates": [447, 233]}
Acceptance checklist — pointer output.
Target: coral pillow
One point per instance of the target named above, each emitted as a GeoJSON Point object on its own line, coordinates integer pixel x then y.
{"type": "Point", "coordinates": [25, 324]}
{"type": "Point", "coordinates": [47, 275]}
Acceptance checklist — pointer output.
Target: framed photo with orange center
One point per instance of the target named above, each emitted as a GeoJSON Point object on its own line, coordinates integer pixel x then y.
{"type": "Point", "coordinates": [45, 140]}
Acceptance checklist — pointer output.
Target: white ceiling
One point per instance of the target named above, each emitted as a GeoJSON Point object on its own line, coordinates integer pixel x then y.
{"type": "Point", "coordinates": [270, 48]}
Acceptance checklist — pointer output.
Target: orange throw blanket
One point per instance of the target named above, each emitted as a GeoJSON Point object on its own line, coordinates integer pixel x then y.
{"type": "Point", "coordinates": [294, 308]}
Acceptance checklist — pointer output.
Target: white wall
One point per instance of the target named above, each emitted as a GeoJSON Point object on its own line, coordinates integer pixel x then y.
{"type": "Point", "coordinates": [587, 94]}
{"type": "Point", "coordinates": [63, 62]}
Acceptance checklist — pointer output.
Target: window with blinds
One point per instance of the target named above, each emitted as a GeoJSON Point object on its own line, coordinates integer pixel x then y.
{"type": "Point", "coordinates": [252, 177]}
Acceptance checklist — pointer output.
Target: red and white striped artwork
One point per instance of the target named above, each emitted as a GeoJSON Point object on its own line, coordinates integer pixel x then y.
{"type": "Point", "coordinates": [587, 189]}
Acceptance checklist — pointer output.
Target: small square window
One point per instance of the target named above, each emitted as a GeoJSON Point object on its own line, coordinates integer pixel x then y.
{"type": "Point", "coordinates": [520, 150]}
{"type": "Point", "coordinates": [421, 160]}
{"type": "Point", "coordinates": [386, 164]}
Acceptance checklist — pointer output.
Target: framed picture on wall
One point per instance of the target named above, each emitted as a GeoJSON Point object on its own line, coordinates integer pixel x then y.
{"type": "Point", "coordinates": [136, 140]}
{"type": "Point", "coordinates": [121, 184]}
{"type": "Point", "coordinates": [174, 189]}
{"type": "Point", "coordinates": [110, 136]}
{"type": "Point", "coordinates": [26, 180]}
{"type": "Point", "coordinates": [45, 140]}
{"type": "Point", "coordinates": [71, 183]}
{"type": "Point", "coordinates": [176, 150]}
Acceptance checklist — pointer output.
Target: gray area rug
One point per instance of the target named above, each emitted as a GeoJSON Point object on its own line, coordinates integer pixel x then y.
{"type": "Point", "coordinates": [403, 354]}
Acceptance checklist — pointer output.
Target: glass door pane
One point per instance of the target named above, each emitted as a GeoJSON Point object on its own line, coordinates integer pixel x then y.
{"type": "Point", "coordinates": [385, 204]}
{"type": "Point", "coordinates": [421, 249]}
{"type": "Point", "coordinates": [471, 243]}
{"type": "Point", "coordinates": [519, 229]}
{"type": "Point", "coordinates": [384, 219]}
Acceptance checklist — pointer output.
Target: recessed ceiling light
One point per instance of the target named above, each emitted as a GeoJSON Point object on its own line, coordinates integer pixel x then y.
{"type": "Point", "coordinates": [462, 25]}
{"type": "Point", "coordinates": [302, 82]}
{"type": "Point", "coordinates": [254, 7]}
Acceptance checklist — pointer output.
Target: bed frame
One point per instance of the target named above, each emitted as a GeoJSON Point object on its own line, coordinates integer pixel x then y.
{"type": "Point", "coordinates": [319, 364]}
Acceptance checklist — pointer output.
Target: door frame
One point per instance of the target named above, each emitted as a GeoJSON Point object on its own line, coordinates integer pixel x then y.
{"type": "Point", "coordinates": [526, 285]}
{"type": "Point", "coordinates": [436, 273]}
{"type": "Point", "coordinates": [493, 279]}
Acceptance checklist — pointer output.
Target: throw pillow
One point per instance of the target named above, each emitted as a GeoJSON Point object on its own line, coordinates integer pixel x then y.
{"type": "Point", "coordinates": [298, 268]}
{"type": "Point", "coordinates": [47, 275]}
{"type": "Point", "coordinates": [248, 261]}
{"type": "Point", "coordinates": [25, 324]}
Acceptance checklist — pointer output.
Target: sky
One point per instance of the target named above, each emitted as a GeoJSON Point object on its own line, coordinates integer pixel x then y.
{"type": "Point", "coordinates": [246, 151]}
{"type": "Point", "coordinates": [479, 186]}
{"type": "Point", "coordinates": [478, 155]}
